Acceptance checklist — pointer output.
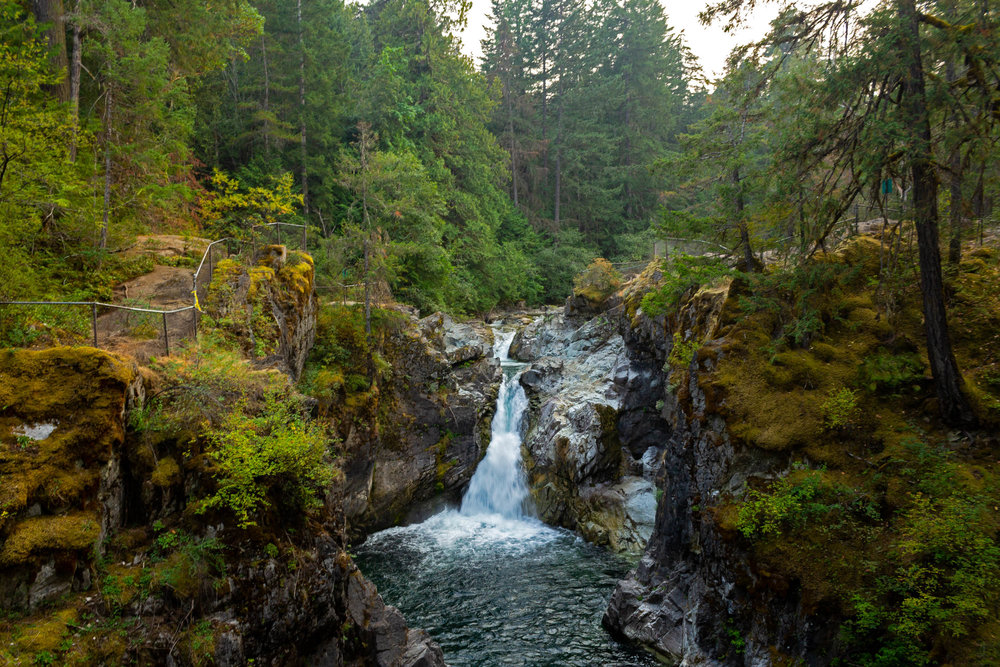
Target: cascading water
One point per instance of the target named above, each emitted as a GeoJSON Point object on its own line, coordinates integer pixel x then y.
{"type": "Point", "coordinates": [491, 585]}
{"type": "Point", "coordinates": [498, 486]}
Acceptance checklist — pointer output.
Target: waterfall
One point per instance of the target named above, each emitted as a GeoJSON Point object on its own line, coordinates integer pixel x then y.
{"type": "Point", "coordinates": [498, 487]}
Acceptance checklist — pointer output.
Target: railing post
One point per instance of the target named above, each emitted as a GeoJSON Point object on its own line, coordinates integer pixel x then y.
{"type": "Point", "coordinates": [305, 248]}
{"type": "Point", "coordinates": [93, 320]}
{"type": "Point", "coordinates": [277, 238]}
{"type": "Point", "coordinates": [166, 340]}
{"type": "Point", "coordinates": [194, 314]}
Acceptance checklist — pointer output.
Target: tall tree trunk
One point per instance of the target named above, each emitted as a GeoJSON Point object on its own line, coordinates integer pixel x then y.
{"type": "Point", "coordinates": [107, 172]}
{"type": "Point", "coordinates": [75, 67]}
{"type": "Point", "coordinates": [957, 206]}
{"type": "Point", "coordinates": [957, 173]}
{"type": "Point", "coordinates": [749, 261]}
{"type": "Point", "coordinates": [51, 13]}
{"type": "Point", "coordinates": [267, 97]}
{"type": "Point", "coordinates": [955, 408]}
{"type": "Point", "coordinates": [302, 113]}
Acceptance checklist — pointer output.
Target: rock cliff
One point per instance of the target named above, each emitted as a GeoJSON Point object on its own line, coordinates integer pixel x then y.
{"type": "Point", "coordinates": [590, 457]}
{"type": "Point", "coordinates": [427, 424]}
{"type": "Point", "coordinates": [100, 532]}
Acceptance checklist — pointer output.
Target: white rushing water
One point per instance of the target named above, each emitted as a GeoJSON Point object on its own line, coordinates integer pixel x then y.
{"type": "Point", "coordinates": [498, 486]}
{"type": "Point", "coordinates": [493, 585]}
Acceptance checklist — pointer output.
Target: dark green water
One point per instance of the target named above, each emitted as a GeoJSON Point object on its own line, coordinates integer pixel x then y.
{"type": "Point", "coordinates": [496, 591]}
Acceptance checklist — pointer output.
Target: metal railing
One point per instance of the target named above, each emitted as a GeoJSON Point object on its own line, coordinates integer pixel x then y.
{"type": "Point", "coordinates": [201, 279]}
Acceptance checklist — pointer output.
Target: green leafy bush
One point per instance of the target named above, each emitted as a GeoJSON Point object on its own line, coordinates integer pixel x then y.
{"type": "Point", "coordinates": [682, 352]}
{"type": "Point", "coordinates": [765, 513]}
{"type": "Point", "coordinates": [680, 274]}
{"type": "Point", "coordinates": [887, 372]}
{"type": "Point", "coordinates": [273, 454]}
{"type": "Point", "coordinates": [840, 408]}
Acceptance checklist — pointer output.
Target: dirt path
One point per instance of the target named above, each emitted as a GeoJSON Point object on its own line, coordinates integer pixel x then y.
{"type": "Point", "coordinates": [141, 335]}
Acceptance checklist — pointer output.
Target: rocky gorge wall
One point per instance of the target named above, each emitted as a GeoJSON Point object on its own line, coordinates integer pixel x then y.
{"type": "Point", "coordinates": [631, 448]}
{"type": "Point", "coordinates": [592, 442]}
{"type": "Point", "coordinates": [108, 554]}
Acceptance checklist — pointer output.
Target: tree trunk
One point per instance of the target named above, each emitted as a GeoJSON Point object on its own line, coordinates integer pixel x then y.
{"type": "Point", "coordinates": [955, 408]}
{"type": "Point", "coordinates": [302, 114]}
{"type": "Point", "coordinates": [957, 174]}
{"type": "Point", "coordinates": [267, 97]}
{"type": "Point", "coordinates": [957, 205]}
{"type": "Point", "coordinates": [107, 172]}
{"type": "Point", "coordinates": [749, 263]}
{"type": "Point", "coordinates": [50, 12]}
{"type": "Point", "coordinates": [74, 83]}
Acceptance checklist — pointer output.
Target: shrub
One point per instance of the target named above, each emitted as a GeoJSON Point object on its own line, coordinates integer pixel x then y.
{"type": "Point", "coordinates": [765, 513]}
{"type": "Point", "coordinates": [598, 281]}
{"type": "Point", "coordinates": [840, 408]}
{"type": "Point", "coordinates": [682, 352]}
{"type": "Point", "coordinates": [679, 275]}
{"type": "Point", "coordinates": [891, 372]}
{"type": "Point", "coordinates": [274, 453]}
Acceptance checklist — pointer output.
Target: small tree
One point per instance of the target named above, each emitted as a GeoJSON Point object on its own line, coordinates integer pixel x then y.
{"type": "Point", "coordinates": [598, 281]}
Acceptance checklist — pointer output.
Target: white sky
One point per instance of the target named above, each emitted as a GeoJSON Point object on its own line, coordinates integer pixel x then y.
{"type": "Point", "coordinates": [710, 44]}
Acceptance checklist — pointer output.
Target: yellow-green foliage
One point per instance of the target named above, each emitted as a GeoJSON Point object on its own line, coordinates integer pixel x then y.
{"type": "Point", "coordinates": [840, 408]}
{"type": "Point", "coordinates": [167, 472]}
{"type": "Point", "coordinates": [72, 532]}
{"type": "Point", "coordinates": [338, 367]}
{"type": "Point", "coordinates": [598, 281]}
{"type": "Point", "coordinates": [682, 352]}
{"type": "Point", "coordinates": [227, 206]}
{"type": "Point", "coordinates": [266, 455]}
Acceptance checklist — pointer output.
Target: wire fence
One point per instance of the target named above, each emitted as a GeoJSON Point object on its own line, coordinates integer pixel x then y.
{"type": "Point", "coordinates": [147, 329]}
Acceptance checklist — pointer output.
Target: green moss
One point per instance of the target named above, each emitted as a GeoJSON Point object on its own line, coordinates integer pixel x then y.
{"type": "Point", "coordinates": [167, 472]}
{"type": "Point", "coordinates": [30, 537]}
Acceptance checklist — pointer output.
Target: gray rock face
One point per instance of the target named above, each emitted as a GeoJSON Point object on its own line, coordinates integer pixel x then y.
{"type": "Point", "coordinates": [443, 394]}
{"type": "Point", "coordinates": [694, 585]}
{"type": "Point", "coordinates": [327, 615]}
{"type": "Point", "coordinates": [581, 472]}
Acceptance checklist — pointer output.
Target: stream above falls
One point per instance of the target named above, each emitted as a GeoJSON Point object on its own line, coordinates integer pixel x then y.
{"type": "Point", "coordinates": [492, 584]}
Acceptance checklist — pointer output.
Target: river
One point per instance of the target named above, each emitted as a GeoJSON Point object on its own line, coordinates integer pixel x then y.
{"type": "Point", "coordinates": [492, 584]}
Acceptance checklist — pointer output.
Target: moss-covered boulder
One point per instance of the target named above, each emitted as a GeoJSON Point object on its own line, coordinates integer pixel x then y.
{"type": "Point", "coordinates": [62, 424]}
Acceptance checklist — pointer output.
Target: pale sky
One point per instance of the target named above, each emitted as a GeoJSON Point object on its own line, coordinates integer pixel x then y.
{"type": "Point", "coordinates": [710, 44]}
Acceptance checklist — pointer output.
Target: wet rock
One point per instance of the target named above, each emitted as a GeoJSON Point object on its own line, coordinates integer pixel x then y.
{"type": "Point", "coordinates": [693, 581]}
{"type": "Point", "coordinates": [581, 474]}
{"type": "Point", "coordinates": [443, 392]}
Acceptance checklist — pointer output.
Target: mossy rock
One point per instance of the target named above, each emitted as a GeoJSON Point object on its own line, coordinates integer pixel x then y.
{"type": "Point", "coordinates": [37, 535]}
{"type": "Point", "coordinates": [81, 392]}
{"type": "Point", "coordinates": [167, 472]}
{"type": "Point", "coordinates": [828, 353]}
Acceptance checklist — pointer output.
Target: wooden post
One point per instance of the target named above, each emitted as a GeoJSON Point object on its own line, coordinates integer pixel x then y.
{"type": "Point", "coordinates": [277, 238]}
{"type": "Point", "coordinates": [166, 340]}
{"type": "Point", "coordinates": [93, 320]}
{"type": "Point", "coordinates": [304, 247]}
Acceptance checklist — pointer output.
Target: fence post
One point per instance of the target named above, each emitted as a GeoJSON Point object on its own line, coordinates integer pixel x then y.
{"type": "Point", "coordinates": [277, 238]}
{"type": "Point", "coordinates": [194, 315]}
{"type": "Point", "coordinates": [304, 246]}
{"type": "Point", "coordinates": [93, 320]}
{"type": "Point", "coordinates": [209, 263]}
{"type": "Point", "coordinates": [166, 340]}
